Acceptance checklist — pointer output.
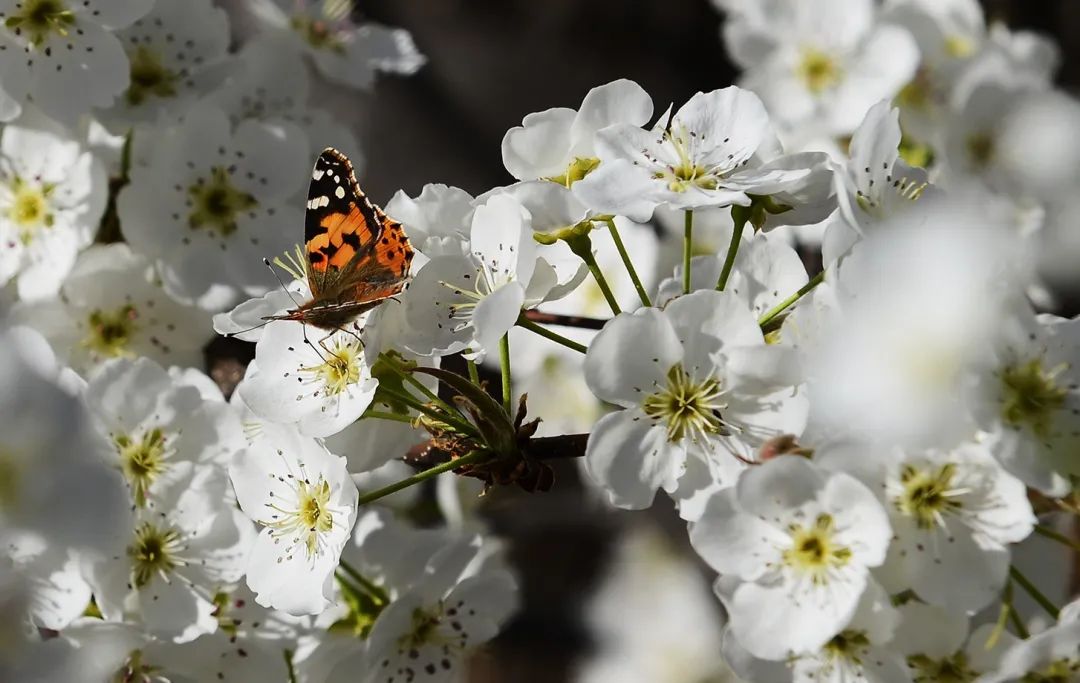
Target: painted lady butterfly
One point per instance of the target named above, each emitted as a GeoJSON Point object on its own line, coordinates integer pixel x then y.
{"type": "Point", "coordinates": [354, 256]}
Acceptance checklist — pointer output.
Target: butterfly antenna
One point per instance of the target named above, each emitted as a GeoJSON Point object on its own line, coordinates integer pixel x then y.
{"type": "Point", "coordinates": [230, 335]}
{"type": "Point", "coordinates": [281, 282]}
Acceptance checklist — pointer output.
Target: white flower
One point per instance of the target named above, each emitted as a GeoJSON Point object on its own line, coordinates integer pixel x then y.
{"type": "Point", "coordinates": [860, 652]}
{"type": "Point", "coordinates": [319, 380]}
{"type": "Point", "coordinates": [819, 65]}
{"type": "Point", "coordinates": [268, 81]}
{"type": "Point", "coordinates": [52, 196]}
{"type": "Point", "coordinates": [302, 497]}
{"type": "Point", "coordinates": [800, 541]}
{"type": "Point", "coordinates": [447, 597]}
{"type": "Point", "coordinates": [175, 53]}
{"type": "Point", "coordinates": [343, 52]}
{"type": "Point", "coordinates": [212, 203]}
{"type": "Point", "coordinates": [1031, 404]}
{"type": "Point", "coordinates": [937, 645]}
{"type": "Point", "coordinates": [111, 307]}
{"type": "Point", "coordinates": [700, 391]}
{"type": "Point", "coordinates": [875, 184]}
{"type": "Point", "coordinates": [702, 156]}
{"type": "Point", "coordinates": [61, 55]}
{"type": "Point", "coordinates": [178, 554]}
{"type": "Point", "coordinates": [53, 486]}
{"type": "Point", "coordinates": [558, 144]}
{"type": "Point", "coordinates": [896, 364]}
{"type": "Point", "coordinates": [953, 516]}
{"type": "Point", "coordinates": [469, 301]}
{"type": "Point", "coordinates": [157, 432]}
{"type": "Point", "coordinates": [57, 591]}
{"type": "Point", "coordinates": [1053, 655]}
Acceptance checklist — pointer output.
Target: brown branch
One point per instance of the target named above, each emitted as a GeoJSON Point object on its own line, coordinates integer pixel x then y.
{"type": "Point", "coordinates": [565, 320]}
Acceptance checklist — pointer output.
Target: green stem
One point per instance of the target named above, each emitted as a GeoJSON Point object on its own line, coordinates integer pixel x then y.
{"type": "Point", "coordinates": [687, 249]}
{"type": "Point", "coordinates": [372, 589]}
{"type": "Point", "coordinates": [1060, 538]}
{"type": "Point", "coordinates": [1018, 623]}
{"type": "Point", "coordinates": [288, 654]}
{"type": "Point", "coordinates": [468, 459]}
{"type": "Point", "coordinates": [582, 246]}
{"type": "Point", "coordinates": [779, 308]}
{"type": "Point", "coordinates": [529, 325]}
{"type": "Point", "coordinates": [385, 415]}
{"type": "Point", "coordinates": [1036, 595]}
{"type": "Point", "coordinates": [439, 415]}
{"type": "Point", "coordinates": [474, 373]}
{"type": "Point", "coordinates": [392, 363]}
{"type": "Point", "coordinates": [615, 237]}
{"type": "Point", "coordinates": [739, 216]}
{"type": "Point", "coordinates": [504, 366]}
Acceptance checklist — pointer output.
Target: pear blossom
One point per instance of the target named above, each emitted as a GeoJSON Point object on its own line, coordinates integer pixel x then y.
{"type": "Point", "coordinates": [954, 515]}
{"type": "Point", "coordinates": [58, 593]}
{"type": "Point", "coordinates": [700, 392]}
{"type": "Point", "coordinates": [820, 65]}
{"type": "Point", "coordinates": [63, 56]}
{"type": "Point", "coordinates": [1047, 656]}
{"type": "Point", "coordinates": [302, 497]}
{"type": "Point", "coordinates": [559, 144]}
{"type": "Point", "coordinates": [157, 432]}
{"type": "Point", "coordinates": [799, 542]}
{"type": "Point", "coordinates": [469, 301]}
{"type": "Point", "coordinates": [178, 554]}
{"type": "Point", "coordinates": [211, 203]}
{"type": "Point", "coordinates": [52, 196]}
{"type": "Point", "coordinates": [175, 53]}
{"type": "Point", "coordinates": [860, 652]}
{"type": "Point", "coordinates": [111, 306]}
{"type": "Point", "coordinates": [936, 643]}
{"type": "Point", "coordinates": [704, 155]}
{"type": "Point", "coordinates": [1030, 401]}
{"type": "Point", "coordinates": [344, 52]}
{"type": "Point", "coordinates": [320, 381]}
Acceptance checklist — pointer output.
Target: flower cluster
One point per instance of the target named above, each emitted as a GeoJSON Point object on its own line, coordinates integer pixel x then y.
{"type": "Point", "coordinates": [856, 453]}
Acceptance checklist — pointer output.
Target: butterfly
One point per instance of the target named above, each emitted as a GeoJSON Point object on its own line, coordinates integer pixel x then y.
{"type": "Point", "coordinates": [354, 255]}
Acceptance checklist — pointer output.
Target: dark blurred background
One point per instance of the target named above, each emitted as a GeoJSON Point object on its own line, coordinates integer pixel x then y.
{"type": "Point", "coordinates": [491, 62]}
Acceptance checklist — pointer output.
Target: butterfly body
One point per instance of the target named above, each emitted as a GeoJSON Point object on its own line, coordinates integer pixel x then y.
{"type": "Point", "coordinates": [354, 256]}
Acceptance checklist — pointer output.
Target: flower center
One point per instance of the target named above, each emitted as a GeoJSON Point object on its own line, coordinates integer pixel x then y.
{"type": "Point", "coordinates": [37, 19]}
{"type": "Point", "coordinates": [1059, 671]}
{"type": "Point", "coordinates": [1031, 396]}
{"type": "Point", "coordinates": [689, 407]}
{"type": "Point", "coordinates": [928, 494]}
{"type": "Point", "coordinates": [134, 670]}
{"type": "Point", "coordinates": [575, 171]}
{"type": "Point", "coordinates": [324, 33]}
{"type": "Point", "coordinates": [818, 70]}
{"type": "Point", "coordinates": [111, 331]}
{"type": "Point", "coordinates": [847, 645]}
{"type": "Point", "coordinates": [814, 550]}
{"type": "Point", "coordinates": [953, 669]}
{"type": "Point", "coordinates": [216, 203]}
{"type": "Point", "coordinates": [980, 147]}
{"type": "Point", "coordinates": [918, 93]}
{"type": "Point", "coordinates": [309, 519]}
{"type": "Point", "coordinates": [686, 172]}
{"type": "Point", "coordinates": [340, 368]}
{"type": "Point", "coordinates": [29, 208]}
{"type": "Point", "coordinates": [155, 551]}
{"type": "Point", "coordinates": [959, 46]}
{"type": "Point", "coordinates": [149, 77]}
{"type": "Point", "coordinates": [142, 461]}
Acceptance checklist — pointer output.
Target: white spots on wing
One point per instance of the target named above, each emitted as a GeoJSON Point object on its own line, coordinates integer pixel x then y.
{"type": "Point", "coordinates": [339, 192]}
{"type": "Point", "coordinates": [317, 173]}
{"type": "Point", "coordinates": [318, 202]}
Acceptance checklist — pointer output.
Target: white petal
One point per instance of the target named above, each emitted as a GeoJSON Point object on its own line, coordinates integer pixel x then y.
{"type": "Point", "coordinates": [630, 458]}
{"type": "Point", "coordinates": [631, 357]}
